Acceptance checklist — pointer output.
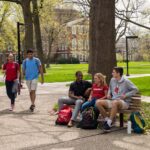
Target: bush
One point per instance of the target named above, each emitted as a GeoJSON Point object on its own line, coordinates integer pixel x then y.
{"type": "Point", "coordinates": [71, 60]}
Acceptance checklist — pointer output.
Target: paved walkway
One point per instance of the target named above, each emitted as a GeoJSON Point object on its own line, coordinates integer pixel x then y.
{"type": "Point", "coordinates": [22, 130]}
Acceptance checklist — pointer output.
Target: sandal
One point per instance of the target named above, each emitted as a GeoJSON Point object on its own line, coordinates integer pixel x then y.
{"type": "Point", "coordinates": [70, 124]}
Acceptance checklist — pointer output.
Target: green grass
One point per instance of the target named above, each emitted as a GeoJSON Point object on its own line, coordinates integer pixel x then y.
{"type": "Point", "coordinates": [136, 67]}
{"type": "Point", "coordinates": [146, 113]}
{"type": "Point", "coordinates": [65, 72]}
{"type": "Point", "coordinates": [2, 84]}
{"type": "Point", "coordinates": [143, 83]}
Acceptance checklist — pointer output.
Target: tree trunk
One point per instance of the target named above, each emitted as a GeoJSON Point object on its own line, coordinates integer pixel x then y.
{"type": "Point", "coordinates": [102, 37]}
{"type": "Point", "coordinates": [38, 33]}
{"type": "Point", "coordinates": [50, 42]}
{"type": "Point", "coordinates": [28, 24]}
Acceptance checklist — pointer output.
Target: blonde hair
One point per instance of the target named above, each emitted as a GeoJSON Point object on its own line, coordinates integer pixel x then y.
{"type": "Point", "coordinates": [102, 78]}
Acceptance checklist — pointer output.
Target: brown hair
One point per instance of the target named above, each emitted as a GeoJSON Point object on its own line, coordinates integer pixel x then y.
{"type": "Point", "coordinates": [119, 70]}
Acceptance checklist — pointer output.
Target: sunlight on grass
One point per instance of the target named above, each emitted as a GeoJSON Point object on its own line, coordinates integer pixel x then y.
{"type": "Point", "coordinates": [143, 83]}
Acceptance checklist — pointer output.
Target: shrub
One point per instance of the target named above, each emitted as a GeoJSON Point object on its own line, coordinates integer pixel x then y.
{"type": "Point", "coordinates": [70, 60]}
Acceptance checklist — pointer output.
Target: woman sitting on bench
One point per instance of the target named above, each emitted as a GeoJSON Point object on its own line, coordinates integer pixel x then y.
{"type": "Point", "coordinates": [119, 96]}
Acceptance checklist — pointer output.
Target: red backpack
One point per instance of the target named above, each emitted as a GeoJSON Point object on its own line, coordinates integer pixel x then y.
{"type": "Point", "coordinates": [64, 116]}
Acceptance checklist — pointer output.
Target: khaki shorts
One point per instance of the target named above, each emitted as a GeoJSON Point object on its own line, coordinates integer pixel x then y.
{"type": "Point", "coordinates": [125, 105]}
{"type": "Point", "coordinates": [32, 84]}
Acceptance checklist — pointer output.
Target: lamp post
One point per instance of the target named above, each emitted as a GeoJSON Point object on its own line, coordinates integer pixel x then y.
{"type": "Point", "coordinates": [127, 52]}
{"type": "Point", "coordinates": [19, 54]}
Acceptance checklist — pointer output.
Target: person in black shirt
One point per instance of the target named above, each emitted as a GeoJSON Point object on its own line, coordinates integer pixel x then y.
{"type": "Point", "coordinates": [78, 92]}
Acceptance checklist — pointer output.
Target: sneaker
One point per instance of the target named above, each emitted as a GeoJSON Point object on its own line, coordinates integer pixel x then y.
{"type": "Point", "coordinates": [106, 127]}
{"type": "Point", "coordinates": [32, 107]}
{"type": "Point", "coordinates": [11, 107]}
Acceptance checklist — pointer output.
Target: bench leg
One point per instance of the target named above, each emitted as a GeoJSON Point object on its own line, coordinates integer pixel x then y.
{"type": "Point", "coordinates": [121, 119]}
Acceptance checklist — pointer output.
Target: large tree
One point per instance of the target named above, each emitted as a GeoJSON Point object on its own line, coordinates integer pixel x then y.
{"type": "Point", "coordinates": [29, 20]}
{"type": "Point", "coordinates": [25, 4]}
{"type": "Point", "coordinates": [102, 37]}
{"type": "Point", "coordinates": [37, 29]}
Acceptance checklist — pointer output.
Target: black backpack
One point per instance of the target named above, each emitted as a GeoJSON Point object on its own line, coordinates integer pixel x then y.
{"type": "Point", "coordinates": [89, 119]}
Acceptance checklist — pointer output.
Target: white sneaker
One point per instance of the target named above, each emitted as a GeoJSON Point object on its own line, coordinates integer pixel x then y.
{"type": "Point", "coordinates": [11, 108]}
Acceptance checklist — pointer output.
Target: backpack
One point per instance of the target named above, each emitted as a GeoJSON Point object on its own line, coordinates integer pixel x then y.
{"type": "Point", "coordinates": [64, 116]}
{"type": "Point", "coordinates": [138, 122]}
{"type": "Point", "coordinates": [89, 119]}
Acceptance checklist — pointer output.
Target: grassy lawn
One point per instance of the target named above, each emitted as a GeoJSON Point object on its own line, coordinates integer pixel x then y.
{"type": "Point", "coordinates": [146, 113]}
{"type": "Point", "coordinates": [65, 72]}
{"type": "Point", "coordinates": [143, 84]}
{"type": "Point", "coordinates": [137, 67]}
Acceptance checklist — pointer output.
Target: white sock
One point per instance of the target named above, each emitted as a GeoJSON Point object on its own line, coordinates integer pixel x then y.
{"type": "Point", "coordinates": [106, 118]}
{"type": "Point", "coordinates": [109, 121]}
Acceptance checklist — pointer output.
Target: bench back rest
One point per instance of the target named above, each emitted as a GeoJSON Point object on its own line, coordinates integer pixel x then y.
{"type": "Point", "coordinates": [135, 103]}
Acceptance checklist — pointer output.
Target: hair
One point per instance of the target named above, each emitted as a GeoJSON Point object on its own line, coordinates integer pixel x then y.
{"type": "Point", "coordinates": [10, 54]}
{"type": "Point", "coordinates": [78, 72]}
{"type": "Point", "coordinates": [102, 78]}
{"type": "Point", "coordinates": [119, 70]}
{"type": "Point", "coordinates": [29, 51]}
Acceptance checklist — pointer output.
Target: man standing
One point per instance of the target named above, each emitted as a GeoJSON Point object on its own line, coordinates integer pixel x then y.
{"type": "Point", "coordinates": [78, 92]}
{"type": "Point", "coordinates": [31, 69]}
{"type": "Point", "coordinates": [119, 96]}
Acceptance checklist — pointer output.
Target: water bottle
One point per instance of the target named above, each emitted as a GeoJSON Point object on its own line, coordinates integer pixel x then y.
{"type": "Point", "coordinates": [129, 127]}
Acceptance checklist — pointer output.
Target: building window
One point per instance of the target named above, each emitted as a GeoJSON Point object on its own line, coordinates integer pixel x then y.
{"type": "Point", "coordinates": [74, 44]}
{"type": "Point", "coordinates": [80, 44]}
{"type": "Point", "coordinates": [74, 30]}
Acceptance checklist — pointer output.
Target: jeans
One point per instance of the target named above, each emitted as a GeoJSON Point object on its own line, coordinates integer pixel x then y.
{"type": "Point", "coordinates": [88, 104]}
{"type": "Point", "coordinates": [70, 101]}
{"type": "Point", "coordinates": [9, 89]}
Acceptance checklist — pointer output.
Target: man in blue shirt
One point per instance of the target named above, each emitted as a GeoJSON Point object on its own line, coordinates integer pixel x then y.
{"type": "Point", "coordinates": [31, 69]}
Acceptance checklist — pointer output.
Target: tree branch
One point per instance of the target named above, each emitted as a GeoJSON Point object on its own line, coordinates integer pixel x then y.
{"type": "Point", "coordinates": [133, 22]}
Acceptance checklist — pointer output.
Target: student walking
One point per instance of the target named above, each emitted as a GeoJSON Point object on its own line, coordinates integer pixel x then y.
{"type": "Point", "coordinates": [31, 69]}
{"type": "Point", "coordinates": [11, 71]}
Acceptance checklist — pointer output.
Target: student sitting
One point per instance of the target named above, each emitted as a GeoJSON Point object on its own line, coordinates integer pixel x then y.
{"type": "Point", "coordinates": [119, 96]}
{"type": "Point", "coordinates": [77, 94]}
{"type": "Point", "coordinates": [99, 91]}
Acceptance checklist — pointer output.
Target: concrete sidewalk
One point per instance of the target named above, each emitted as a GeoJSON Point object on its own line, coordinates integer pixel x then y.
{"type": "Point", "coordinates": [22, 130]}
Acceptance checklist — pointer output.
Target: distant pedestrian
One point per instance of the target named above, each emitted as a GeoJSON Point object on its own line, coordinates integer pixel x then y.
{"type": "Point", "coordinates": [11, 71]}
{"type": "Point", "coordinates": [31, 69]}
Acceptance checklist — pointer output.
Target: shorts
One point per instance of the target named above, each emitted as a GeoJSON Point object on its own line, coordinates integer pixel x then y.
{"type": "Point", "coordinates": [32, 84]}
{"type": "Point", "coordinates": [125, 105]}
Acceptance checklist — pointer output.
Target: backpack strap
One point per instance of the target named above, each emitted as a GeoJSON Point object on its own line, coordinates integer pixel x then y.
{"type": "Point", "coordinates": [36, 62]}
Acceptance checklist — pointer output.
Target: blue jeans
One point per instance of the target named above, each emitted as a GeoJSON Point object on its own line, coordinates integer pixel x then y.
{"type": "Point", "coordinates": [70, 101]}
{"type": "Point", "coordinates": [88, 104]}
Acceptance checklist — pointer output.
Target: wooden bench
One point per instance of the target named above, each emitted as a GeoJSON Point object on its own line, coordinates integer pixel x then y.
{"type": "Point", "coordinates": [135, 105]}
